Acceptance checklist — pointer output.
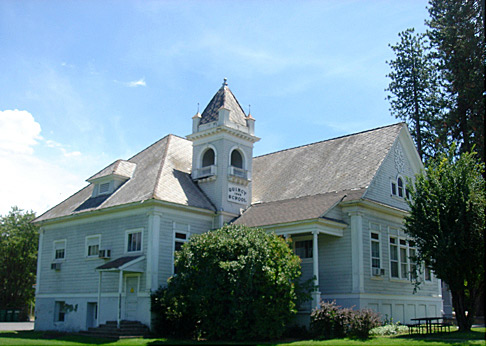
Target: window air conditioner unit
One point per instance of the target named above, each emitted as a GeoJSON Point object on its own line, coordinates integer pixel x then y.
{"type": "Point", "coordinates": [378, 272]}
{"type": "Point", "coordinates": [56, 266]}
{"type": "Point", "coordinates": [104, 253]}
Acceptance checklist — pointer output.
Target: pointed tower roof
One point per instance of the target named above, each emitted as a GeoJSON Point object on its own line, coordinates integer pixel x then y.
{"type": "Point", "coordinates": [224, 98]}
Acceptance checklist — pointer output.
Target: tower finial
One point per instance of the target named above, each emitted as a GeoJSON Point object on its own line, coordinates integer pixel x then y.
{"type": "Point", "coordinates": [198, 111]}
{"type": "Point", "coordinates": [224, 82]}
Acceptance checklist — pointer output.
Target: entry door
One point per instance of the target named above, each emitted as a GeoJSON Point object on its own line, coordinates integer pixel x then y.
{"type": "Point", "coordinates": [131, 289]}
{"type": "Point", "coordinates": [91, 314]}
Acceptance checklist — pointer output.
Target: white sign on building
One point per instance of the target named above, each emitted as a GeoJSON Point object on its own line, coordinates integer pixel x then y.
{"type": "Point", "coordinates": [238, 194]}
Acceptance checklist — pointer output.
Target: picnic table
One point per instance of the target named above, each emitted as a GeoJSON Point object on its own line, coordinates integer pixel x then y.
{"type": "Point", "coordinates": [431, 324]}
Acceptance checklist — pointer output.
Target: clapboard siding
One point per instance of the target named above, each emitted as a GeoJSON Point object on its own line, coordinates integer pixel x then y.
{"type": "Point", "coordinates": [335, 265]}
{"type": "Point", "coordinates": [380, 188]}
{"type": "Point", "coordinates": [385, 284]}
{"type": "Point", "coordinates": [198, 224]}
{"type": "Point", "coordinates": [78, 274]}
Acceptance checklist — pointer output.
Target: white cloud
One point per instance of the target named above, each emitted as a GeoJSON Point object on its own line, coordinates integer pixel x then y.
{"type": "Point", "coordinates": [27, 179]}
{"type": "Point", "coordinates": [18, 132]}
{"type": "Point", "coordinates": [139, 83]}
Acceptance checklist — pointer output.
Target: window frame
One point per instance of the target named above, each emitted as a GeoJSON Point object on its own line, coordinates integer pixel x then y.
{"type": "Point", "coordinates": [391, 260]}
{"type": "Point", "coordinates": [88, 245]}
{"type": "Point", "coordinates": [59, 308]}
{"type": "Point", "coordinates": [304, 239]}
{"type": "Point", "coordinates": [372, 258]}
{"type": "Point", "coordinates": [54, 250]}
{"type": "Point", "coordinates": [177, 230]}
{"type": "Point", "coordinates": [134, 231]}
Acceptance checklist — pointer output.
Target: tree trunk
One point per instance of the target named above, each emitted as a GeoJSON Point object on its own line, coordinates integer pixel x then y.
{"type": "Point", "coordinates": [461, 306]}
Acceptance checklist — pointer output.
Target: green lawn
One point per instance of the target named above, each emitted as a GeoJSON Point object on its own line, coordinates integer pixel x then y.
{"type": "Point", "coordinates": [33, 338]}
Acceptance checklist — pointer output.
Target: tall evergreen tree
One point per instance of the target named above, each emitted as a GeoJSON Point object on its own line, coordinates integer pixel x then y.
{"type": "Point", "coordinates": [414, 91]}
{"type": "Point", "coordinates": [457, 34]}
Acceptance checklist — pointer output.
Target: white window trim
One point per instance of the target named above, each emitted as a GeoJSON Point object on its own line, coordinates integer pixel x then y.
{"type": "Point", "coordinates": [54, 249]}
{"type": "Point", "coordinates": [303, 238]}
{"type": "Point", "coordinates": [97, 236]}
{"type": "Point", "coordinates": [398, 261]}
{"type": "Point", "coordinates": [424, 275]}
{"type": "Point", "coordinates": [380, 249]}
{"type": "Point", "coordinates": [58, 306]}
{"type": "Point", "coordinates": [408, 263]}
{"type": "Point", "coordinates": [174, 239]}
{"type": "Point", "coordinates": [131, 231]}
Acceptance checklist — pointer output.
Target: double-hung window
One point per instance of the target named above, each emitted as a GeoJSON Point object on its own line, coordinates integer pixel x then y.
{"type": "Point", "coordinates": [59, 250]}
{"type": "Point", "coordinates": [304, 249]}
{"type": "Point", "coordinates": [394, 257]}
{"type": "Point", "coordinates": [134, 241]}
{"type": "Point", "coordinates": [181, 236]}
{"type": "Point", "coordinates": [93, 246]}
{"type": "Point", "coordinates": [402, 256]}
{"type": "Point", "coordinates": [59, 311]}
{"type": "Point", "coordinates": [375, 252]}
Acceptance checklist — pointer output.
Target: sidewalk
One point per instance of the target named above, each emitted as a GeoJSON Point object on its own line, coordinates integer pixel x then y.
{"type": "Point", "coordinates": [10, 326]}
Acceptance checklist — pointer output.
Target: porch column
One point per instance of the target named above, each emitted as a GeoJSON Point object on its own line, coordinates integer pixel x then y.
{"type": "Point", "coordinates": [316, 293]}
{"type": "Point", "coordinates": [99, 300]}
{"type": "Point", "coordinates": [119, 311]}
{"type": "Point", "coordinates": [357, 252]}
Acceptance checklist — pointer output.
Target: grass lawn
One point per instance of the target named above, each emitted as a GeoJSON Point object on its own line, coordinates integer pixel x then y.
{"type": "Point", "coordinates": [34, 338]}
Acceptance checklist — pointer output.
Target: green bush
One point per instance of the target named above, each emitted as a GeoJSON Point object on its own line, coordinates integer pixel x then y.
{"type": "Point", "coordinates": [330, 321]}
{"type": "Point", "coordinates": [389, 329]}
{"type": "Point", "coordinates": [233, 283]}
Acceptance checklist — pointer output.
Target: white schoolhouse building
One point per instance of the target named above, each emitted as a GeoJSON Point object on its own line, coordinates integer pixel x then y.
{"type": "Point", "coordinates": [104, 250]}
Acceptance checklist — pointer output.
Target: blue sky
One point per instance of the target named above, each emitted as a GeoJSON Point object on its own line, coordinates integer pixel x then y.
{"type": "Point", "coordinates": [83, 83]}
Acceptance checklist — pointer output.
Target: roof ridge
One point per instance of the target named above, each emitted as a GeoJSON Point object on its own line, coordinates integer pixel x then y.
{"type": "Point", "coordinates": [146, 148]}
{"type": "Point", "coordinates": [307, 196]}
{"type": "Point", "coordinates": [161, 167]}
{"type": "Point", "coordinates": [332, 139]}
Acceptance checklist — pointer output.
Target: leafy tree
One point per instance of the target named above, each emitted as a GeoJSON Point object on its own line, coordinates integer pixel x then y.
{"type": "Point", "coordinates": [457, 34]}
{"type": "Point", "coordinates": [232, 283]}
{"type": "Point", "coordinates": [18, 256]}
{"type": "Point", "coordinates": [414, 90]}
{"type": "Point", "coordinates": [447, 222]}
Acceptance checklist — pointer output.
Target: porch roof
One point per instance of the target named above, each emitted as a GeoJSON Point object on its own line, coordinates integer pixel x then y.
{"type": "Point", "coordinates": [128, 264]}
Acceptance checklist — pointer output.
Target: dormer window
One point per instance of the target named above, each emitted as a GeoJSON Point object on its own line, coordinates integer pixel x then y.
{"type": "Point", "coordinates": [104, 188]}
{"type": "Point", "coordinates": [111, 178]}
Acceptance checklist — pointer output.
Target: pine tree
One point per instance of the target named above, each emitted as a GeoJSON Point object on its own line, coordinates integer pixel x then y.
{"type": "Point", "coordinates": [414, 91]}
{"type": "Point", "coordinates": [457, 34]}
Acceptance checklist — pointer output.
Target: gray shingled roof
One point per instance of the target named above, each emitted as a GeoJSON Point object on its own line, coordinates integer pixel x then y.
{"type": "Point", "coordinates": [223, 98]}
{"type": "Point", "coordinates": [291, 210]}
{"type": "Point", "coordinates": [305, 182]}
{"type": "Point", "coordinates": [120, 168]}
{"type": "Point", "coordinates": [340, 164]}
{"type": "Point", "coordinates": [162, 172]}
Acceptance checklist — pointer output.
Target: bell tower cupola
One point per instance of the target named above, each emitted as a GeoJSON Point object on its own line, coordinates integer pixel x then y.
{"type": "Point", "coordinates": [223, 140]}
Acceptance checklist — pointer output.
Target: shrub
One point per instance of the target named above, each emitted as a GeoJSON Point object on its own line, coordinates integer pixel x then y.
{"type": "Point", "coordinates": [328, 321]}
{"type": "Point", "coordinates": [361, 322]}
{"type": "Point", "coordinates": [389, 329]}
{"type": "Point", "coordinates": [233, 283]}
{"type": "Point", "coordinates": [331, 321]}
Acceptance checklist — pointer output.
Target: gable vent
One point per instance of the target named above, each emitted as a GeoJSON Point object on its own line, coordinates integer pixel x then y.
{"type": "Point", "coordinates": [104, 188]}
